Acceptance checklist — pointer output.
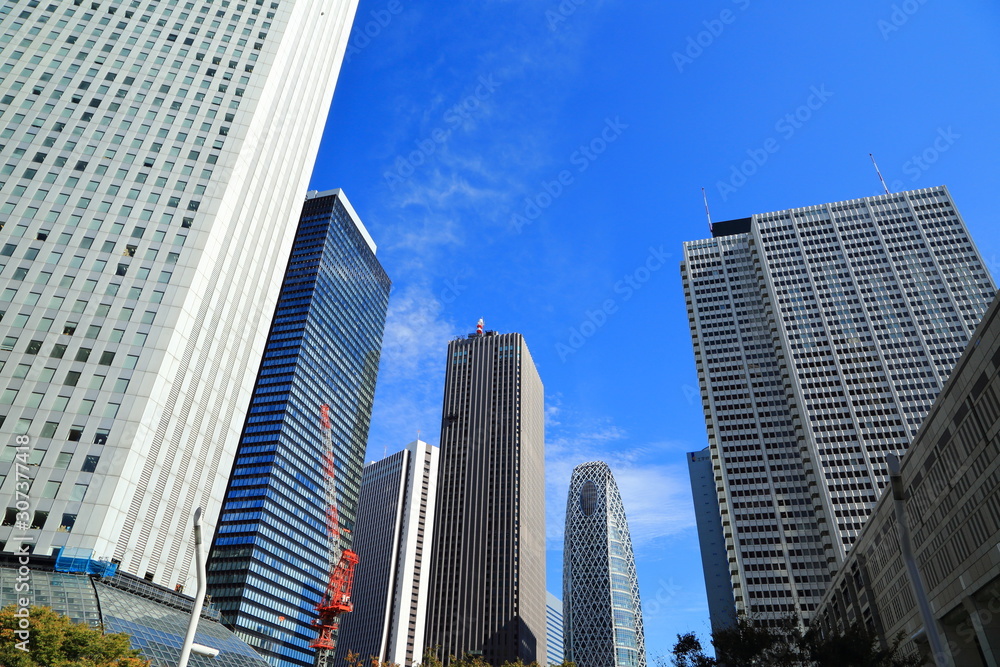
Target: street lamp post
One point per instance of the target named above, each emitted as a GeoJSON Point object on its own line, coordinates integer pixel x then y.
{"type": "Point", "coordinates": [199, 600]}
{"type": "Point", "coordinates": [906, 548]}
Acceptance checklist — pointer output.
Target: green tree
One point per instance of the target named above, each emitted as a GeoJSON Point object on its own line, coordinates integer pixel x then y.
{"type": "Point", "coordinates": [855, 646]}
{"type": "Point", "coordinates": [355, 660]}
{"type": "Point", "coordinates": [688, 652]}
{"type": "Point", "coordinates": [53, 640]}
{"type": "Point", "coordinates": [430, 659]}
{"type": "Point", "coordinates": [749, 644]}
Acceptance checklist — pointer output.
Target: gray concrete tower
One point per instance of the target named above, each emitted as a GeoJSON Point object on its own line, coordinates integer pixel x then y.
{"type": "Point", "coordinates": [488, 565]}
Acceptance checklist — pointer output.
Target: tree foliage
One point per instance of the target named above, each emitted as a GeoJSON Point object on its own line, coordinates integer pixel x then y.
{"type": "Point", "coordinates": [430, 659]}
{"type": "Point", "coordinates": [53, 640]}
{"type": "Point", "coordinates": [748, 644]}
{"type": "Point", "coordinates": [355, 660]}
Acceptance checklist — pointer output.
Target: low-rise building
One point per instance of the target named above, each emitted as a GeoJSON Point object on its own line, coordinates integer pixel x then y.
{"type": "Point", "coordinates": [98, 593]}
{"type": "Point", "coordinates": [951, 477]}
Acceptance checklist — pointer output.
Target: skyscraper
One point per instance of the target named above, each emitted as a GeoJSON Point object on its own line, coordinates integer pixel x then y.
{"type": "Point", "coordinates": [268, 565]}
{"type": "Point", "coordinates": [156, 156]}
{"type": "Point", "coordinates": [951, 480]}
{"type": "Point", "coordinates": [822, 335]}
{"type": "Point", "coordinates": [393, 539]}
{"type": "Point", "coordinates": [712, 543]}
{"type": "Point", "coordinates": [553, 629]}
{"type": "Point", "coordinates": [602, 614]}
{"type": "Point", "coordinates": [487, 593]}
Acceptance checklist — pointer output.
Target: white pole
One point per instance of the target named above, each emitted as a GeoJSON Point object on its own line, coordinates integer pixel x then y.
{"type": "Point", "coordinates": [199, 597]}
{"type": "Point", "coordinates": [917, 583]}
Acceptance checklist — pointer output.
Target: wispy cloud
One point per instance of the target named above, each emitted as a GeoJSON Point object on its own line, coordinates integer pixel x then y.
{"type": "Point", "coordinates": [652, 478]}
{"type": "Point", "coordinates": [410, 384]}
{"type": "Point", "coordinates": [472, 133]}
{"type": "Point", "coordinates": [451, 188]}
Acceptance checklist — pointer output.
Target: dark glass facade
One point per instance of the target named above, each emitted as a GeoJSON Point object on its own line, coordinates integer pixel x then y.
{"type": "Point", "coordinates": [268, 565]}
{"type": "Point", "coordinates": [364, 631]}
{"type": "Point", "coordinates": [487, 578]}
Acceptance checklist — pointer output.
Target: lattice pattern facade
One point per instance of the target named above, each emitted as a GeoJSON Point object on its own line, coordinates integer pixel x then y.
{"type": "Point", "coordinates": [602, 612]}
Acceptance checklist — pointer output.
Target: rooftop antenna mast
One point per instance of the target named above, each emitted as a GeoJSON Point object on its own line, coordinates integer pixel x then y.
{"type": "Point", "coordinates": [877, 171]}
{"type": "Point", "coordinates": [708, 214]}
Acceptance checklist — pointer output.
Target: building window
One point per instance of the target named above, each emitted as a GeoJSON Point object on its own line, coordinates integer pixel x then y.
{"type": "Point", "coordinates": [90, 463]}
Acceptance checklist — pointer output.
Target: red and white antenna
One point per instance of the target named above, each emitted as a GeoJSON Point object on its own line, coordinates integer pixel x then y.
{"type": "Point", "coordinates": [479, 327]}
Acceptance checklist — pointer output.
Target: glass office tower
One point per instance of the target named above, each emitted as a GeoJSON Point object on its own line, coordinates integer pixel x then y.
{"type": "Point", "coordinates": [394, 532]}
{"type": "Point", "coordinates": [268, 564]}
{"type": "Point", "coordinates": [153, 157]}
{"type": "Point", "coordinates": [712, 541]}
{"type": "Point", "coordinates": [602, 614]}
{"type": "Point", "coordinates": [553, 629]}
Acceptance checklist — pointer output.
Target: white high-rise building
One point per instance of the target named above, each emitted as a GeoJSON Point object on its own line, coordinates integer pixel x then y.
{"type": "Point", "coordinates": [822, 336]}
{"type": "Point", "coordinates": [154, 155]}
{"type": "Point", "coordinates": [393, 537]}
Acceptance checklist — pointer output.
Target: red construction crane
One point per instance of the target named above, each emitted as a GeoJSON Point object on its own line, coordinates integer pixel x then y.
{"type": "Point", "coordinates": [337, 598]}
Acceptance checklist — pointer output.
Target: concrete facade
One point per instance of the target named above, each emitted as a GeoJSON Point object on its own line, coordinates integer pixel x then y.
{"type": "Point", "coordinates": [822, 335]}
{"type": "Point", "coordinates": [487, 592]}
{"type": "Point", "coordinates": [158, 156]}
{"type": "Point", "coordinates": [393, 542]}
{"type": "Point", "coordinates": [951, 474]}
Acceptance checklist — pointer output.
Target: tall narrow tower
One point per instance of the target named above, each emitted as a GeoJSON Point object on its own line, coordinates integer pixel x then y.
{"type": "Point", "coordinates": [394, 532]}
{"type": "Point", "coordinates": [487, 593]}
{"type": "Point", "coordinates": [822, 335]}
{"type": "Point", "coordinates": [156, 155]}
{"type": "Point", "coordinates": [269, 565]}
{"type": "Point", "coordinates": [602, 614]}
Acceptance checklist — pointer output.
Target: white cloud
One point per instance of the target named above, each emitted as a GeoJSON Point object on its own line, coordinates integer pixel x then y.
{"type": "Point", "coordinates": [655, 490]}
{"type": "Point", "coordinates": [411, 378]}
{"type": "Point", "coordinates": [444, 189]}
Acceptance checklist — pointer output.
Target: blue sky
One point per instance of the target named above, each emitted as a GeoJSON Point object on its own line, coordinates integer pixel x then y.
{"type": "Point", "coordinates": [539, 164]}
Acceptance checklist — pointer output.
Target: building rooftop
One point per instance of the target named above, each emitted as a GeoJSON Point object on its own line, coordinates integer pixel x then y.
{"type": "Point", "coordinates": [342, 196]}
{"type": "Point", "coordinates": [731, 227]}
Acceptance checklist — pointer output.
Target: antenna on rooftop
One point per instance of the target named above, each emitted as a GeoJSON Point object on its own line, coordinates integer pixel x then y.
{"type": "Point", "coordinates": [479, 327]}
{"type": "Point", "coordinates": [877, 171]}
{"type": "Point", "coordinates": [708, 214]}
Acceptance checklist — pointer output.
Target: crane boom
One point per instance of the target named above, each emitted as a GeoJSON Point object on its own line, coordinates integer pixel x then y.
{"type": "Point", "coordinates": [337, 597]}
